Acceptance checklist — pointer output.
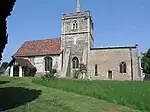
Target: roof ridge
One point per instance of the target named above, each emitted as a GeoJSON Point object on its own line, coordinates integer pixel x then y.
{"type": "Point", "coordinates": [42, 39]}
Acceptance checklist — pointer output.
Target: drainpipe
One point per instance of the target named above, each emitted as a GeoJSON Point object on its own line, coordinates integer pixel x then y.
{"type": "Point", "coordinates": [131, 64]}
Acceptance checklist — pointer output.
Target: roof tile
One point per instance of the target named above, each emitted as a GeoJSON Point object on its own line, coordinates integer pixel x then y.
{"type": "Point", "coordinates": [40, 47]}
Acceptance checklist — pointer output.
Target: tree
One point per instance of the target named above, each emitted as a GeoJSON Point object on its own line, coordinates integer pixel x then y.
{"type": "Point", "coordinates": [4, 65]}
{"type": "Point", "coordinates": [146, 62]}
{"type": "Point", "coordinates": [6, 7]}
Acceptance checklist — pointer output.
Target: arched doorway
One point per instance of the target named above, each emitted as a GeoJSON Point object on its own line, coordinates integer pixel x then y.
{"type": "Point", "coordinates": [16, 71]}
{"type": "Point", "coordinates": [110, 75]}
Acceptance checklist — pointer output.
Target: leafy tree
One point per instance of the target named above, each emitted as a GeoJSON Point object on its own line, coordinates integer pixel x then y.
{"type": "Point", "coordinates": [6, 7]}
{"type": "Point", "coordinates": [4, 65]}
{"type": "Point", "coordinates": [146, 62]}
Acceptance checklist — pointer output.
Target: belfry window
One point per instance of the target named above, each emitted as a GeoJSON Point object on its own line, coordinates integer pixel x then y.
{"type": "Point", "coordinates": [75, 25]}
{"type": "Point", "coordinates": [123, 67]}
{"type": "Point", "coordinates": [48, 63]}
{"type": "Point", "coordinates": [75, 63]}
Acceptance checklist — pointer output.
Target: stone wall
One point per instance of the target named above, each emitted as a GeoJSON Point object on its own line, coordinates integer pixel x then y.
{"type": "Point", "coordinates": [39, 63]}
{"type": "Point", "coordinates": [110, 59]}
{"type": "Point", "coordinates": [77, 40]}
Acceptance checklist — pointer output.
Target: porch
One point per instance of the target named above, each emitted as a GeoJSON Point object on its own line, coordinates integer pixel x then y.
{"type": "Point", "coordinates": [17, 67]}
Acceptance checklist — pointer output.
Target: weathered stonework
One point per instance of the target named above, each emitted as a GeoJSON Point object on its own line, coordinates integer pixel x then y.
{"type": "Point", "coordinates": [110, 59]}
{"type": "Point", "coordinates": [81, 44]}
{"type": "Point", "coordinates": [78, 40]}
{"type": "Point", "coordinates": [39, 63]}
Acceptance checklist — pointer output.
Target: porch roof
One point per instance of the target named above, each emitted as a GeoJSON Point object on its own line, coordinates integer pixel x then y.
{"type": "Point", "coordinates": [21, 62]}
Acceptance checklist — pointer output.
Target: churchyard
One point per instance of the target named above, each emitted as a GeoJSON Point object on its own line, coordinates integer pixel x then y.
{"type": "Point", "coordinates": [72, 95]}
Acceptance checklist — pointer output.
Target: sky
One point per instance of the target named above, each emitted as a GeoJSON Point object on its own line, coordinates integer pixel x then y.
{"type": "Point", "coordinates": [116, 22]}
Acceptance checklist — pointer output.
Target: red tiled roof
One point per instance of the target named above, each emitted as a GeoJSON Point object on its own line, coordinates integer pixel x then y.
{"type": "Point", "coordinates": [40, 47]}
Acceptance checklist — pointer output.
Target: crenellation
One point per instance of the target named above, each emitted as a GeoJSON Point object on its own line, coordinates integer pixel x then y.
{"type": "Point", "coordinates": [85, 14]}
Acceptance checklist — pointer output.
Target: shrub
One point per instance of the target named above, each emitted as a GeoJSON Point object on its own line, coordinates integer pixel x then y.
{"type": "Point", "coordinates": [51, 75]}
{"type": "Point", "coordinates": [29, 71]}
{"type": "Point", "coordinates": [2, 71]}
{"type": "Point", "coordinates": [147, 77]}
{"type": "Point", "coordinates": [82, 70]}
{"type": "Point", "coordinates": [76, 74]}
{"type": "Point", "coordinates": [52, 71]}
{"type": "Point", "coordinates": [4, 65]}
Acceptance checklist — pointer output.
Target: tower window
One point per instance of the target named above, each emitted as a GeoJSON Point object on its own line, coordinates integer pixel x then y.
{"type": "Point", "coordinates": [123, 67]}
{"type": "Point", "coordinates": [48, 63]}
{"type": "Point", "coordinates": [75, 63]}
{"type": "Point", "coordinates": [75, 25]}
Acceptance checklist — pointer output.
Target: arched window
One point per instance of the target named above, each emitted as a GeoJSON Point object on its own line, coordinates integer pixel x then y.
{"type": "Point", "coordinates": [48, 63]}
{"type": "Point", "coordinates": [96, 72]}
{"type": "Point", "coordinates": [75, 63]}
{"type": "Point", "coordinates": [123, 67]}
{"type": "Point", "coordinates": [75, 25]}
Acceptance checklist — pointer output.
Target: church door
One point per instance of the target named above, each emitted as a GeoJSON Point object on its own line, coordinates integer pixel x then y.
{"type": "Point", "coordinates": [110, 74]}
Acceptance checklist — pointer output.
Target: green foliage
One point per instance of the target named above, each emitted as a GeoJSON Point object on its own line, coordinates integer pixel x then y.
{"type": "Point", "coordinates": [4, 65]}
{"type": "Point", "coordinates": [146, 64]}
{"type": "Point", "coordinates": [131, 94]}
{"type": "Point", "coordinates": [29, 71]}
{"type": "Point", "coordinates": [6, 7]}
{"type": "Point", "coordinates": [82, 69]}
{"type": "Point", "coordinates": [2, 71]}
{"type": "Point", "coordinates": [53, 71]}
{"type": "Point", "coordinates": [51, 75]}
{"type": "Point", "coordinates": [76, 74]}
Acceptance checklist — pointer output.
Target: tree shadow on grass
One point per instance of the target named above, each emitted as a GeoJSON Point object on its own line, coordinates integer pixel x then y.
{"type": "Point", "coordinates": [12, 97]}
{"type": "Point", "coordinates": [4, 82]}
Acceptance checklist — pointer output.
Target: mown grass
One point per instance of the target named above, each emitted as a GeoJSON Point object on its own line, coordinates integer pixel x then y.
{"type": "Point", "coordinates": [21, 95]}
{"type": "Point", "coordinates": [131, 94]}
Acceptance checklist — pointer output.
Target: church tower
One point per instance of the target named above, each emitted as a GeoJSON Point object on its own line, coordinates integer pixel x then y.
{"type": "Point", "coordinates": [76, 39]}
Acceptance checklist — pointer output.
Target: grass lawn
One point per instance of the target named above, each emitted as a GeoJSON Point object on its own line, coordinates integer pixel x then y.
{"type": "Point", "coordinates": [130, 94]}
{"type": "Point", "coordinates": [21, 95]}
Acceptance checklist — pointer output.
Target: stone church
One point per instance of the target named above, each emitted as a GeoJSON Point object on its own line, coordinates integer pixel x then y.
{"type": "Point", "coordinates": [76, 46]}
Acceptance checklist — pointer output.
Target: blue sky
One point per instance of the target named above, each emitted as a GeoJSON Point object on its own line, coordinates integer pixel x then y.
{"type": "Point", "coordinates": [117, 22]}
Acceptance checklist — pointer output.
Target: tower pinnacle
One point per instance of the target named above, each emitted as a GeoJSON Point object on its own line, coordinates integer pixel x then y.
{"type": "Point", "coordinates": [78, 6]}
